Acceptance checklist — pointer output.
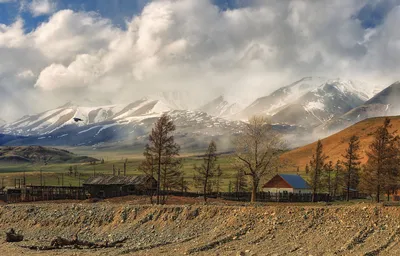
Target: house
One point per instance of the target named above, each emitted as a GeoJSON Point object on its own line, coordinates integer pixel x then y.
{"type": "Point", "coordinates": [106, 186]}
{"type": "Point", "coordinates": [290, 183]}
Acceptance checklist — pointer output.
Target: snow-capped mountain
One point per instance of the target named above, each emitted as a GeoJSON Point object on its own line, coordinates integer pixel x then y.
{"type": "Point", "coordinates": [2, 122]}
{"type": "Point", "coordinates": [295, 109]}
{"type": "Point", "coordinates": [286, 96]}
{"type": "Point", "coordinates": [177, 100]}
{"type": "Point", "coordinates": [219, 107]}
{"type": "Point", "coordinates": [55, 119]}
{"type": "Point", "coordinates": [193, 129]}
{"type": "Point", "coordinates": [271, 104]}
{"type": "Point", "coordinates": [385, 103]}
{"type": "Point", "coordinates": [329, 100]}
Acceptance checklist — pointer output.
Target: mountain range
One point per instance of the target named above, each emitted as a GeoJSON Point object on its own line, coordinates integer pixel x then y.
{"type": "Point", "coordinates": [307, 106]}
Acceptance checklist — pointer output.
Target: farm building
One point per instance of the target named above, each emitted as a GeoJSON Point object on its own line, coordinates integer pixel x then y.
{"type": "Point", "coordinates": [106, 186]}
{"type": "Point", "coordinates": [290, 183]}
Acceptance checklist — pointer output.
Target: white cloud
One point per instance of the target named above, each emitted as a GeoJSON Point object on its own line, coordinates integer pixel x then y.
{"type": "Point", "coordinates": [193, 45]}
{"type": "Point", "coordinates": [42, 7]}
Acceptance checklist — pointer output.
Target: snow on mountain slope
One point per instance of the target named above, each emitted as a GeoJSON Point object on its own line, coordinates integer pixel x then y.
{"type": "Point", "coordinates": [176, 99]}
{"type": "Point", "coordinates": [193, 128]}
{"type": "Point", "coordinates": [280, 99]}
{"type": "Point", "coordinates": [219, 107]}
{"type": "Point", "coordinates": [52, 120]}
{"type": "Point", "coordinates": [271, 104]}
{"type": "Point", "coordinates": [2, 122]}
{"type": "Point", "coordinates": [329, 100]}
{"type": "Point", "coordinates": [384, 103]}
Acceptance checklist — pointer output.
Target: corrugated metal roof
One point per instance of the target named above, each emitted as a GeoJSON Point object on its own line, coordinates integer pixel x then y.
{"type": "Point", "coordinates": [116, 180]}
{"type": "Point", "coordinates": [296, 181]}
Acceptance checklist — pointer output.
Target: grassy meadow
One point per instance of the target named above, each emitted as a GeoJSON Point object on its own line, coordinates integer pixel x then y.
{"type": "Point", "coordinates": [55, 174]}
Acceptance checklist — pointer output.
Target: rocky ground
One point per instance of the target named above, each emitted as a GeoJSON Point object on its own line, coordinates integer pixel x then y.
{"type": "Point", "coordinates": [360, 229]}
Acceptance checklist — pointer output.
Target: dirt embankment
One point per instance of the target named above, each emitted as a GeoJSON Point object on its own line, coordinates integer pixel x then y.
{"type": "Point", "coordinates": [206, 230]}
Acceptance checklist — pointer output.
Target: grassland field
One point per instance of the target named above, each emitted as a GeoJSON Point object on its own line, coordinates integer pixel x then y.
{"type": "Point", "coordinates": [58, 174]}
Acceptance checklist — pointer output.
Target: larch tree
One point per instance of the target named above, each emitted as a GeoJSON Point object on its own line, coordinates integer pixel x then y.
{"type": "Point", "coordinates": [205, 173]}
{"type": "Point", "coordinates": [161, 155]}
{"type": "Point", "coordinates": [351, 164]}
{"type": "Point", "coordinates": [218, 179]}
{"type": "Point", "coordinates": [316, 166]}
{"type": "Point", "coordinates": [257, 151]}
{"type": "Point", "coordinates": [307, 169]}
{"type": "Point", "coordinates": [393, 170]}
{"type": "Point", "coordinates": [328, 175]}
{"type": "Point", "coordinates": [337, 179]}
{"type": "Point", "coordinates": [240, 183]}
{"type": "Point", "coordinates": [382, 152]}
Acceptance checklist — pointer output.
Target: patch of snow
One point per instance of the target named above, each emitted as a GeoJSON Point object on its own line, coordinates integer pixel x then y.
{"type": "Point", "coordinates": [314, 105]}
{"type": "Point", "coordinates": [105, 127]}
{"type": "Point", "coordinates": [91, 128]}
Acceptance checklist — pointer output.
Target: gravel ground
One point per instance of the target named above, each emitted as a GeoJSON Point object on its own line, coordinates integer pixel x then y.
{"type": "Point", "coordinates": [362, 229]}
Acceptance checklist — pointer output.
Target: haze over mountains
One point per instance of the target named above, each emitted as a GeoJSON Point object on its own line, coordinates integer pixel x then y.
{"type": "Point", "coordinates": [309, 105]}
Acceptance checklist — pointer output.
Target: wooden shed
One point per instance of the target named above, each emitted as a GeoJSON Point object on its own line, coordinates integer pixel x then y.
{"type": "Point", "coordinates": [289, 183]}
{"type": "Point", "coordinates": [106, 186]}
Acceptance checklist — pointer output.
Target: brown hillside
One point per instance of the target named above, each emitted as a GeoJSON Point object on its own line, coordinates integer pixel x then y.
{"type": "Point", "coordinates": [335, 145]}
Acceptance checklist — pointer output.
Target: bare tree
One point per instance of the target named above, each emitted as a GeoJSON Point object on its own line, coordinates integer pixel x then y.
{"type": "Point", "coordinates": [352, 164]}
{"type": "Point", "coordinates": [382, 152]}
{"type": "Point", "coordinates": [317, 164]}
{"type": "Point", "coordinates": [207, 170]}
{"type": "Point", "coordinates": [162, 153]}
{"type": "Point", "coordinates": [257, 151]}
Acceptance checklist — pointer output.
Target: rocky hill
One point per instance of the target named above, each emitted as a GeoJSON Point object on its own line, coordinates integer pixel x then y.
{"type": "Point", "coordinates": [39, 154]}
{"type": "Point", "coordinates": [361, 229]}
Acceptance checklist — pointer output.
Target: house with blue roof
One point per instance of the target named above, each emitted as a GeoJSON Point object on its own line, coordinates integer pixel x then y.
{"type": "Point", "coordinates": [290, 183]}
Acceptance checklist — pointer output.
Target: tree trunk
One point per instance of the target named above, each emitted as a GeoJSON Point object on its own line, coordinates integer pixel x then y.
{"type": "Point", "coordinates": [158, 178]}
{"type": "Point", "coordinates": [254, 190]}
{"type": "Point", "coordinates": [205, 189]}
{"type": "Point", "coordinates": [378, 192]}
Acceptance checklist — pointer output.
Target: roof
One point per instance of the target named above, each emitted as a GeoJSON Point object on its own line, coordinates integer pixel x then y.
{"type": "Point", "coordinates": [295, 181]}
{"type": "Point", "coordinates": [289, 181]}
{"type": "Point", "coordinates": [116, 180]}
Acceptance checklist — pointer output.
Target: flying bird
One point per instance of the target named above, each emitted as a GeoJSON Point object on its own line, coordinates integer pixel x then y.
{"type": "Point", "coordinates": [76, 119]}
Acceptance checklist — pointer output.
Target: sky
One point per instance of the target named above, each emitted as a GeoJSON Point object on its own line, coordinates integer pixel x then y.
{"type": "Point", "coordinates": [112, 51]}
